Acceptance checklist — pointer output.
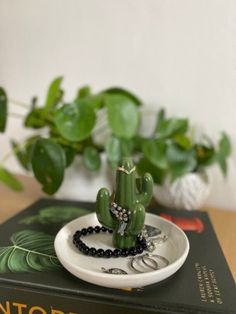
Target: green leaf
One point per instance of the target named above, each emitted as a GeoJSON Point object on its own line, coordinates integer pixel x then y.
{"type": "Point", "coordinates": [95, 101]}
{"type": "Point", "coordinates": [161, 115]}
{"type": "Point", "coordinates": [223, 152]}
{"type": "Point", "coordinates": [84, 92]}
{"type": "Point", "coordinates": [48, 164]}
{"type": "Point", "coordinates": [30, 251]}
{"type": "Point", "coordinates": [123, 92]}
{"type": "Point", "coordinates": [91, 158]}
{"type": "Point", "coordinates": [53, 95]}
{"type": "Point", "coordinates": [223, 165]}
{"type": "Point", "coordinates": [35, 119]}
{"type": "Point", "coordinates": [55, 214]}
{"type": "Point", "coordinates": [24, 153]}
{"type": "Point", "coordinates": [144, 165]}
{"type": "Point", "coordinates": [123, 116]}
{"type": "Point", "coordinates": [170, 127]}
{"type": "Point", "coordinates": [155, 152]}
{"type": "Point", "coordinates": [205, 155]}
{"type": "Point", "coordinates": [23, 158]}
{"type": "Point", "coordinates": [10, 180]}
{"type": "Point", "coordinates": [3, 110]}
{"type": "Point", "coordinates": [70, 154]}
{"type": "Point", "coordinates": [127, 146]}
{"type": "Point", "coordinates": [113, 151]}
{"type": "Point", "coordinates": [224, 145]}
{"type": "Point", "coordinates": [180, 161]}
{"type": "Point", "coordinates": [117, 148]}
{"type": "Point", "coordinates": [137, 142]}
{"type": "Point", "coordinates": [75, 121]}
{"type": "Point", "coordinates": [183, 141]}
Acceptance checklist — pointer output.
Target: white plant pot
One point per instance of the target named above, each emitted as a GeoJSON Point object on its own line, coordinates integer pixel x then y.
{"type": "Point", "coordinates": [188, 192]}
{"type": "Point", "coordinates": [82, 184]}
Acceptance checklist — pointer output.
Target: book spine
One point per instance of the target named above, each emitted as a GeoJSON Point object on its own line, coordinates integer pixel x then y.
{"type": "Point", "coordinates": [14, 300]}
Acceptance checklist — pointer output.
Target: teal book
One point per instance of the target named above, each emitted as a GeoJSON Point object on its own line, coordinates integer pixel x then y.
{"type": "Point", "coordinates": [32, 280]}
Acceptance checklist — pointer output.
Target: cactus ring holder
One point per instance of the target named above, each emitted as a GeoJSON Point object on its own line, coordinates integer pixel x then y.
{"type": "Point", "coordinates": [102, 254]}
{"type": "Point", "coordinates": [125, 214]}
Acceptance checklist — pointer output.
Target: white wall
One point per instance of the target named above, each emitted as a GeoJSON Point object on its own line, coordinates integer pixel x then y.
{"type": "Point", "coordinates": [174, 53]}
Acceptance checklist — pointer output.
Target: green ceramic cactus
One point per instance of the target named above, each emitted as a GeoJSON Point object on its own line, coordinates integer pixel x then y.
{"type": "Point", "coordinates": [125, 213]}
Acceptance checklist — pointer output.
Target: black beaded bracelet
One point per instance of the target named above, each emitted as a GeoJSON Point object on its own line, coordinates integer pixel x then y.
{"type": "Point", "coordinates": [91, 251]}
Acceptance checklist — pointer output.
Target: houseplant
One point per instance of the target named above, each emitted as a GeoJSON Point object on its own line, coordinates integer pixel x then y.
{"type": "Point", "coordinates": [178, 161]}
{"type": "Point", "coordinates": [65, 130]}
{"type": "Point", "coordinates": [95, 127]}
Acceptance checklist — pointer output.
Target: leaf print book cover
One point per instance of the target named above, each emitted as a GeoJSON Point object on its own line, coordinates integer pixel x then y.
{"type": "Point", "coordinates": [32, 279]}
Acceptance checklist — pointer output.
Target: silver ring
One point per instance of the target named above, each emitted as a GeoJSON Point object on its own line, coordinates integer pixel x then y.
{"type": "Point", "coordinates": [160, 257]}
{"type": "Point", "coordinates": [154, 265]}
{"type": "Point", "coordinates": [132, 263]}
{"type": "Point", "coordinates": [144, 266]}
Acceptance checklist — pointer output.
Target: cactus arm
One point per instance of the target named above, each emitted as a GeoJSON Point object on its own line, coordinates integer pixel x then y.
{"type": "Point", "coordinates": [103, 212]}
{"type": "Point", "coordinates": [136, 220]}
{"type": "Point", "coordinates": [145, 189]}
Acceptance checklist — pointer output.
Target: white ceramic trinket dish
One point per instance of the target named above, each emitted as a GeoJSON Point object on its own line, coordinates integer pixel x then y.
{"type": "Point", "coordinates": [91, 269]}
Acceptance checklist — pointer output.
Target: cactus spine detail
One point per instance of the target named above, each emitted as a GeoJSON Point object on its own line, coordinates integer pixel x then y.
{"type": "Point", "coordinates": [126, 216]}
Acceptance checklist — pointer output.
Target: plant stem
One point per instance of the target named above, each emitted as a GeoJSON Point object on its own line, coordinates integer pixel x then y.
{"type": "Point", "coordinates": [19, 103]}
{"type": "Point", "coordinates": [16, 115]}
{"type": "Point", "coordinates": [6, 157]}
{"type": "Point", "coordinates": [14, 150]}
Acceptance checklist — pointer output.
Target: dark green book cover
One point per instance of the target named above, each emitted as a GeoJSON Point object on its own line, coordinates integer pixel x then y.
{"type": "Point", "coordinates": [33, 281]}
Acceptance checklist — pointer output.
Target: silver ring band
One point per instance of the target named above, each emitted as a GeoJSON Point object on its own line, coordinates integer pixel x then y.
{"type": "Point", "coordinates": [160, 257]}
{"type": "Point", "coordinates": [132, 263]}
{"type": "Point", "coordinates": [153, 265]}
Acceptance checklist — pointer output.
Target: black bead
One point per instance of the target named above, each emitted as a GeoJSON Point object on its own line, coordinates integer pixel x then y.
{"type": "Point", "coordinates": [97, 229]}
{"type": "Point", "coordinates": [79, 244]}
{"type": "Point", "coordinates": [124, 252]}
{"type": "Point", "coordinates": [142, 244]}
{"type": "Point", "coordinates": [84, 231]}
{"type": "Point", "coordinates": [116, 252]}
{"type": "Point", "coordinates": [141, 241]}
{"type": "Point", "coordinates": [132, 251]}
{"type": "Point", "coordinates": [139, 249]}
{"type": "Point", "coordinates": [90, 230]}
{"type": "Point", "coordinates": [108, 253]}
{"type": "Point", "coordinates": [92, 251]}
{"type": "Point", "coordinates": [100, 253]}
{"type": "Point", "coordinates": [78, 233]}
{"type": "Point", "coordinates": [77, 239]}
{"type": "Point", "coordinates": [85, 250]}
{"type": "Point", "coordinates": [82, 245]}
{"type": "Point", "coordinates": [76, 236]}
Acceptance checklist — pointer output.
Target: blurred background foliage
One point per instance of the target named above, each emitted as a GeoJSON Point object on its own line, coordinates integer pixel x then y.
{"type": "Point", "coordinates": [65, 130]}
